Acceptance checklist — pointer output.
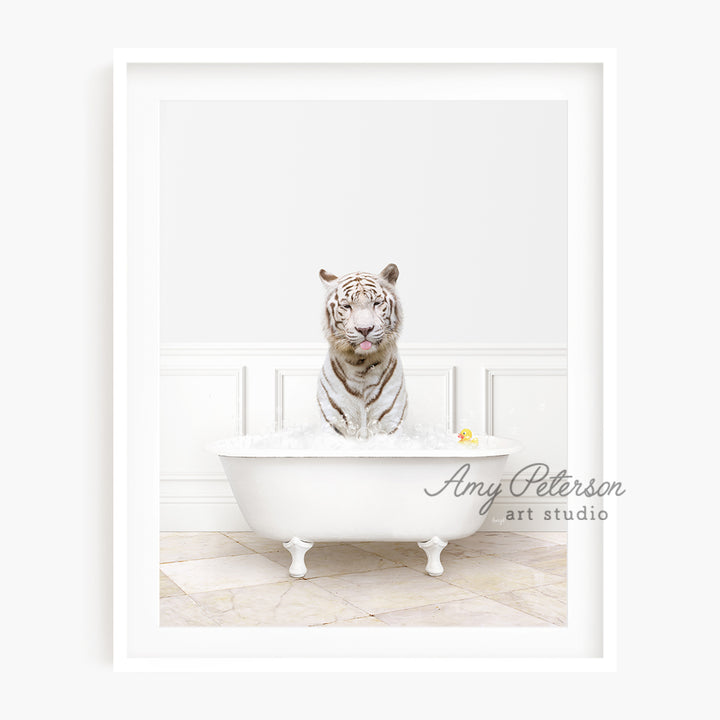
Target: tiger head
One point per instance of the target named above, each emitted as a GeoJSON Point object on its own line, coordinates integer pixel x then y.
{"type": "Point", "coordinates": [362, 311]}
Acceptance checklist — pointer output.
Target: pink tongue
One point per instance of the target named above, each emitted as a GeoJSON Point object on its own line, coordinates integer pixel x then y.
{"type": "Point", "coordinates": [365, 345]}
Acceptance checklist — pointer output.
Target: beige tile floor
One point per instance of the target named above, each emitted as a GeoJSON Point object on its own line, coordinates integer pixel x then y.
{"type": "Point", "coordinates": [492, 579]}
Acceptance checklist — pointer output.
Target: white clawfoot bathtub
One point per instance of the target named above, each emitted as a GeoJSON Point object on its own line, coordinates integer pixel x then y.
{"type": "Point", "coordinates": [425, 496]}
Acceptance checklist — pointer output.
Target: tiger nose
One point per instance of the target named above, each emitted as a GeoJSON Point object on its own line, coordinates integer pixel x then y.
{"type": "Point", "coordinates": [365, 330]}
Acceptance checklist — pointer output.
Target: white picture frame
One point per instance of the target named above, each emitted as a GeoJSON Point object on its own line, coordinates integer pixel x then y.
{"type": "Point", "coordinates": [588, 642]}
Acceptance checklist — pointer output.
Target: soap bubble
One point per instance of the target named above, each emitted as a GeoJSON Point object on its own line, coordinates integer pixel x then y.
{"type": "Point", "coordinates": [319, 438]}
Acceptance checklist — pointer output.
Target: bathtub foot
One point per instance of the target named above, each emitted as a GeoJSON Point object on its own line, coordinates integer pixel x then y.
{"type": "Point", "coordinates": [297, 549]}
{"type": "Point", "coordinates": [433, 547]}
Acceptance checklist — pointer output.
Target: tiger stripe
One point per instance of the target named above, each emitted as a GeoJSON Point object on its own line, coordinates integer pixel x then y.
{"type": "Point", "coordinates": [334, 405]}
{"type": "Point", "coordinates": [402, 417]}
{"type": "Point", "coordinates": [392, 404]}
{"type": "Point", "coordinates": [388, 375]}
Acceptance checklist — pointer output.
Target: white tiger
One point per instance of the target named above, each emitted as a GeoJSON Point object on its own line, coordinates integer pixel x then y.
{"type": "Point", "coordinates": [361, 389]}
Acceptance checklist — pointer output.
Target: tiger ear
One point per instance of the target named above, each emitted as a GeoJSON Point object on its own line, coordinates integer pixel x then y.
{"type": "Point", "coordinates": [390, 273]}
{"type": "Point", "coordinates": [328, 280]}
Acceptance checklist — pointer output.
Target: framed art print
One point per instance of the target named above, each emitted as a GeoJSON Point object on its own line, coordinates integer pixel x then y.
{"type": "Point", "coordinates": [364, 360]}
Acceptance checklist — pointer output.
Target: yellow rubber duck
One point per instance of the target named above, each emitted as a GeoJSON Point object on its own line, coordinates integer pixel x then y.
{"type": "Point", "coordinates": [466, 438]}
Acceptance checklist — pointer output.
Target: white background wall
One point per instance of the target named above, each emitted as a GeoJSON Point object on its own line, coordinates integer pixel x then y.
{"type": "Point", "coordinates": [467, 198]}
{"type": "Point", "coordinates": [56, 366]}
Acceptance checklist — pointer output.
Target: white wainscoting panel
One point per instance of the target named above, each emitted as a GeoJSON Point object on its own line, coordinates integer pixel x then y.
{"type": "Point", "coordinates": [529, 404]}
{"type": "Point", "coordinates": [197, 406]}
{"type": "Point", "coordinates": [213, 391]}
{"type": "Point", "coordinates": [433, 396]}
{"type": "Point", "coordinates": [295, 403]}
